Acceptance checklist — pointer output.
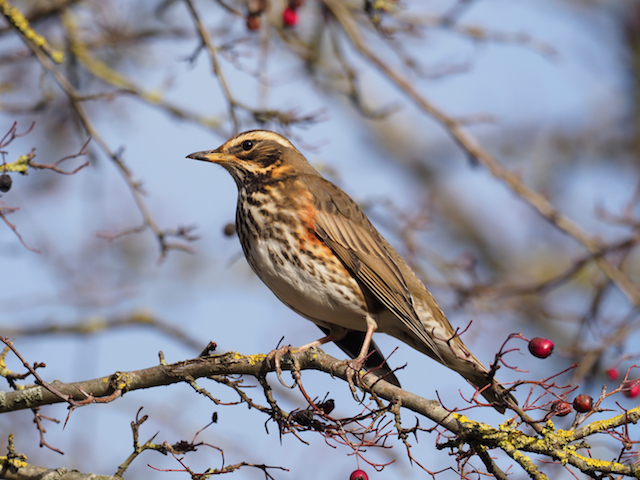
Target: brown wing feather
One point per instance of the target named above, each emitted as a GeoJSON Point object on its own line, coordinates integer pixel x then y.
{"type": "Point", "coordinates": [345, 229]}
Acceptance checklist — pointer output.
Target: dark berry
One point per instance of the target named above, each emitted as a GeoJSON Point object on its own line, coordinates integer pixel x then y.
{"type": "Point", "coordinates": [289, 17]}
{"type": "Point", "coordinates": [5, 183]}
{"type": "Point", "coordinates": [359, 475]}
{"type": "Point", "coordinates": [583, 403]}
{"type": "Point", "coordinates": [541, 347]}
{"type": "Point", "coordinates": [229, 230]}
{"type": "Point", "coordinates": [303, 417]}
{"type": "Point", "coordinates": [328, 406]}
{"type": "Point", "coordinates": [253, 23]}
{"type": "Point", "coordinates": [561, 408]}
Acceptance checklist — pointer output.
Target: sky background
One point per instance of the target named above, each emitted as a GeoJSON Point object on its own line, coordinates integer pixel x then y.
{"type": "Point", "coordinates": [212, 293]}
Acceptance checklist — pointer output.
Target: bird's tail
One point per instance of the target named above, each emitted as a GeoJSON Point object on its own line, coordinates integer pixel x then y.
{"type": "Point", "coordinates": [489, 388]}
{"type": "Point", "coordinates": [375, 363]}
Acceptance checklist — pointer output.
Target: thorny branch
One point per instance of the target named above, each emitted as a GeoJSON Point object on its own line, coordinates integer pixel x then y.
{"type": "Point", "coordinates": [75, 99]}
{"type": "Point", "coordinates": [86, 398]}
{"type": "Point", "coordinates": [476, 151]}
{"type": "Point", "coordinates": [215, 65]}
{"type": "Point", "coordinates": [22, 166]}
{"type": "Point", "coordinates": [367, 429]}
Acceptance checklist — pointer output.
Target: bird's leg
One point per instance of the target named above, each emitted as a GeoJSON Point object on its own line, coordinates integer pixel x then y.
{"type": "Point", "coordinates": [335, 334]}
{"type": "Point", "coordinates": [354, 366]}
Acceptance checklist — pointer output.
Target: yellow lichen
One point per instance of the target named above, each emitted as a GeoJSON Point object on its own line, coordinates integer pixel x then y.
{"type": "Point", "coordinates": [508, 426]}
{"type": "Point", "coordinates": [31, 396]}
{"type": "Point", "coordinates": [252, 359]}
{"type": "Point", "coordinates": [4, 371]}
{"type": "Point", "coordinates": [602, 425]}
{"type": "Point", "coordinates": [568, 434]}
{"type": "Point", "coordinates": [142, 316]}
{"type": "Point", "coordinates": [17, 19]}
{"type": "Point", "coordinates": [594, 462]}
{"type": "Point", "coordinates": [461, 418]}
{"type": "Point", "coordinates": [123, 380]}
{"type": "Point", "coordinates": [521, 458]}
{"type": "Point", "coordinates": [14, 462]}
{"type": "Point", "coordinates": [528, 465]}
{"type": "Point", "coordinates": [21, 165]}
{"type": "Point", "coordinates": [477, 427]}
{"type": "Point", "coordinates": [562, 457]}
{"type": "Point", "coordinates": [153, 96]}
{"type": "Point", "coordinates": [97, 67]}
{"type": "Point", "coordinates": [551, 442]}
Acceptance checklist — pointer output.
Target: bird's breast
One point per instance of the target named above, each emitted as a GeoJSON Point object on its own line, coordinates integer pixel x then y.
{"type": "Point", "coordinates": [278, 239]}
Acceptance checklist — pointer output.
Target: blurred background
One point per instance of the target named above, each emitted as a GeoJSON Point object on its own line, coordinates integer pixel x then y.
{"type": "Point", "coordinates": [549, 87]}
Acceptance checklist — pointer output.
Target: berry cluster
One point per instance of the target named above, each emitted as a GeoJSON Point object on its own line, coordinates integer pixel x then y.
{"type": "Point", "coordinates": [631, 388]}
{"type": "Point", "coordinates": [255, 9]}
{"type": "Point", "coordinates": [543, 348]}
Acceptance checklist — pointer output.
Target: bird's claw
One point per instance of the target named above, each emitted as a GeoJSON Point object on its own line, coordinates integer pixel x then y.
{"type": "Point", "coordinates": [352, 373]}
{"type": "Point", "coordinates": [274, 357]}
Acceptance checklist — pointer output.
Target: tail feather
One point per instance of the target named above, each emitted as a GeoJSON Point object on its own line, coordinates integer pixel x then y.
{"type": "Point", "coordinates": [490, 389]}
{"type": "Point", "coordinates": [470, 367]}
{"type": "Point", "coordinates": [375, 362]}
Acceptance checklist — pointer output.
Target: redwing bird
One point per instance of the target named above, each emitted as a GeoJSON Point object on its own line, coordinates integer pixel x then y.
{"type": "Point", "coordinates": [314, 247]}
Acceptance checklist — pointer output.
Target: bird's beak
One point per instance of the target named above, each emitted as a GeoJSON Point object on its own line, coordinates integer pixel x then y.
{"type": "Point", "coordinates": [213, 156]}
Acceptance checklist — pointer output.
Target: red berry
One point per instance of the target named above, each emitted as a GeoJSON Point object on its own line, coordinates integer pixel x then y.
{"type": "Point", "coordinates": [561, 408]}
{"type": "Point", "coordinates": [612, 373]}
{"type": "Point", "coordinates": [632, 389]}
{"type": "Point", "coordinates": [583, 403]}
{"type": "Point", "coordinates": [359, 475]}
{"type": "Point", "coordinates": [289, 17]}
{"type": "Point", "coordinates": [541, 347]}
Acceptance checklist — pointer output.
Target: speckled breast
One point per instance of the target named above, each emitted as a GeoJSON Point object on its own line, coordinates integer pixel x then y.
{"type": "Point", "coordinates": [280, 244]}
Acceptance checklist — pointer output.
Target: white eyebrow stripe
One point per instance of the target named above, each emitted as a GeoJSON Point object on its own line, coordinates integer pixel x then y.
{"type": "Point", "coordinates": [263, 135]}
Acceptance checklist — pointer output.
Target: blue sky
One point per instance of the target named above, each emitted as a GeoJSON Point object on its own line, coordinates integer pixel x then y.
{"type": "Point", "coordinates": [212, 294]}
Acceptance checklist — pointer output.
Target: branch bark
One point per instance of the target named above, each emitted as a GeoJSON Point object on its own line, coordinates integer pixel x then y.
{"type": "Point", "coordinates": [557, 445]}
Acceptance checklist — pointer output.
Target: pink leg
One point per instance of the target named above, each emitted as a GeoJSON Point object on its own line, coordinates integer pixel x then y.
{"type": "Point", "coordinates": [372, 326]}
{"type": "Point", "coordinates": [354, 366]}
{"type": "Point", "coordinates": [334, 335]}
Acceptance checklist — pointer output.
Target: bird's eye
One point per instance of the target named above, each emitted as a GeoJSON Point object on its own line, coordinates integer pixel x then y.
{"type": "Point", "coordinates": [247, 145]}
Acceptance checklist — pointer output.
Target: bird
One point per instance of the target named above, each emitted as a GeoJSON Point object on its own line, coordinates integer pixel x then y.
{"type": "Point", "coordinates": [317, 251]}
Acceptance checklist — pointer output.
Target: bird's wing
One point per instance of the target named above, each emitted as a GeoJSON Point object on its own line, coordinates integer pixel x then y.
{"type": "Point", "coordinates": [345, 229]}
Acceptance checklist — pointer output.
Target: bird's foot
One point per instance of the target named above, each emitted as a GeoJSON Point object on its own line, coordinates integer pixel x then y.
{"type": "Point", "coordinates": [274, 357]}
{"type": "Point", "coordinates": [352, 373]}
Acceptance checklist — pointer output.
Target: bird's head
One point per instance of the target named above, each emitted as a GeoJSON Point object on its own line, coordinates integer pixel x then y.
{"type": "Point", "coordinates": [257, 155]}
